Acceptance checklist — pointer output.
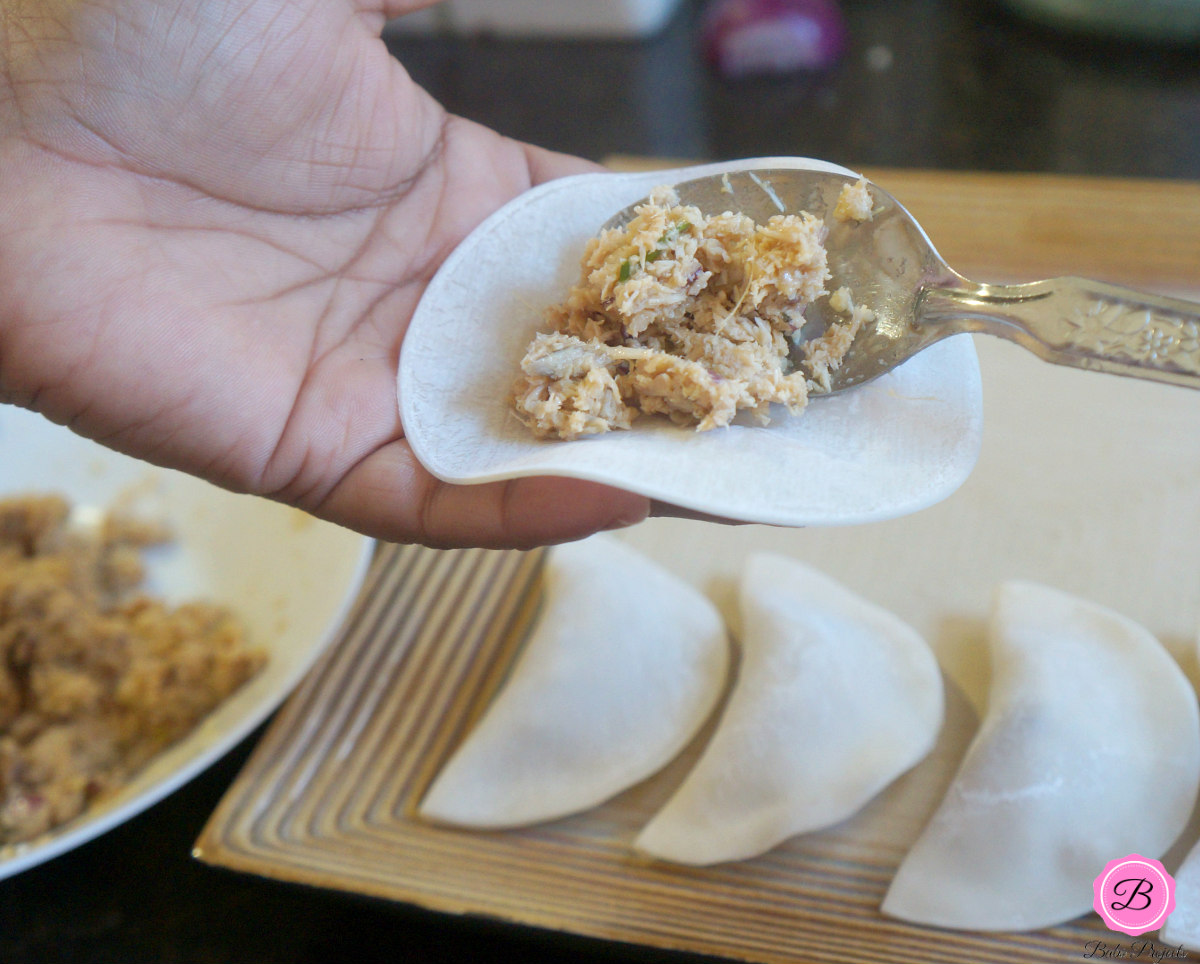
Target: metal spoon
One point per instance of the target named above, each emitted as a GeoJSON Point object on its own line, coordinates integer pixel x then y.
{"type": "Point", "coordinates": [890, 266]}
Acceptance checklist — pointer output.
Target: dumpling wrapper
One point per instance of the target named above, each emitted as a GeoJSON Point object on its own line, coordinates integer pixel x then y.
{"type": "Point", "coordinates": [903, 442]}
{"type": "Point", "coordinates": [835, 698]}
{"type": "Point", "coordinates": [1182, 928]}
{"type": "Point", "coordinates": [1089, 751]}
{"type": "Point", "coordinates": [623, 667]}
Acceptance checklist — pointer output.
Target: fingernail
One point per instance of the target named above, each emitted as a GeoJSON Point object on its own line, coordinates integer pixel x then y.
{"type": "Point", "coordinates": [630, 516]}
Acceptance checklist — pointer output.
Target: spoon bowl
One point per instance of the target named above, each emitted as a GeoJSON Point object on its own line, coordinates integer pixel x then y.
{"type": "Point", "coordinates": [891, 266]}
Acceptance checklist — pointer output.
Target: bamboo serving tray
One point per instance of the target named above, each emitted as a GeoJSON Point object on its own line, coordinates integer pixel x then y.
{"type": "Point", "coordinates": [1090, 483]}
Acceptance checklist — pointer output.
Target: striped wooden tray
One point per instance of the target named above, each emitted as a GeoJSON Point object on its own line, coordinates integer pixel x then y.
{"type": "Point", "coordinates": [329, 795]}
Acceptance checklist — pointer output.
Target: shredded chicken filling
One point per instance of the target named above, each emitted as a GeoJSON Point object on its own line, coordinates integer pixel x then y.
{"type": "Point", "coordinates": [95, 676]}
{"type": "Point", "coordinates": [686, 316]}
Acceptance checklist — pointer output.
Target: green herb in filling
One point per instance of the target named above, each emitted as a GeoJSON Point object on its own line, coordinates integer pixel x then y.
{"type": "Point", "coordinates": [669, 236]}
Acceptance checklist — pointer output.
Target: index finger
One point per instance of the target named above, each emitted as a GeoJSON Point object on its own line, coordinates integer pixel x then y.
{"type": "Point", "coordinates": [391, 496]}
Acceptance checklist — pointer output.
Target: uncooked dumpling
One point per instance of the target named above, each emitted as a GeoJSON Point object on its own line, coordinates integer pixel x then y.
{"type": "Point", "coordinates": [1183, 926]}
{"type": "Point", "coordinates": [835, 698]}
{"type": "Point", "coordinates": [1089, 751]}
{"type": "Point", "coordinates": [624, 665]}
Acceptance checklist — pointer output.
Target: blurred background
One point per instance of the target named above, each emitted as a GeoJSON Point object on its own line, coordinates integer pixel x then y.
{"type": "Point", "coordinates": [1098, 87]}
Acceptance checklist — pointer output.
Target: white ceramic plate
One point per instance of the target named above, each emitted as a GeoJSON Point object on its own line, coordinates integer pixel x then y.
{"type": "Point", "coordinates": [900, 444]}
{"type": "Point", "coordinates": [289, 577]}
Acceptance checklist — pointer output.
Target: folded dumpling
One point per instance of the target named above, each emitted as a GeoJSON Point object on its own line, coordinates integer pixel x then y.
{"type": "Point", "coordinates": [1089, 751]}
{"type": "Point", "coordinates": [1182, 928]}
{"type": "Point", "coordinates": [834, 699]}
{"type": "Point", "coordinates": [624, 665]}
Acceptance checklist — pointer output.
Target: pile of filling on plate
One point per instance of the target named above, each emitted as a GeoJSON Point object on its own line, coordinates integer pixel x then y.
{"type": "Point", "coordinates": [691, 317]}
{"type": "Point", "coordinates": [96, 677]}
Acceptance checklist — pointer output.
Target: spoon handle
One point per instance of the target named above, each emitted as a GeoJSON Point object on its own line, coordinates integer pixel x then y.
{"type": "Point", "coordinates": [1074, 321]}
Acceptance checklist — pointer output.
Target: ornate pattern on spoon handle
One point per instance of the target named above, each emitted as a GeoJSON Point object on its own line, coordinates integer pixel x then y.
{"type": "Point", "coordinates": [1086, 324]}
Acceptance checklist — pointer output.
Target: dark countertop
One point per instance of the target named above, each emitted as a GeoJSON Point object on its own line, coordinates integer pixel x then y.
{"type": "Point", "coordinates": [926, 83]}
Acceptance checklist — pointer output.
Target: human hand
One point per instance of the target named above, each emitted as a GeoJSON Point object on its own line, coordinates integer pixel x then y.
{"type": "Point", "coordinates": [216, 220]}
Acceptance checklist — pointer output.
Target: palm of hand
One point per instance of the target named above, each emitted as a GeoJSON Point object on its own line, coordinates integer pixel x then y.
{"type": "Point", "coordinates": [217, 219]}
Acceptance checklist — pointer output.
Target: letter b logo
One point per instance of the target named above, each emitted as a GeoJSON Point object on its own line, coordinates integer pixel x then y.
{"type": "Point", "coordinates": [1134, 894]}
{"type": "Point", "coordinates": [1132, 889]}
